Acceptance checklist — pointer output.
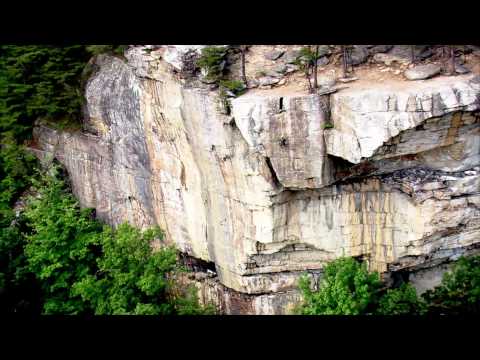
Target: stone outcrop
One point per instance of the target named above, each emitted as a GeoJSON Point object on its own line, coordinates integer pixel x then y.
{"type": "Point", "coordinates": [268, 191]}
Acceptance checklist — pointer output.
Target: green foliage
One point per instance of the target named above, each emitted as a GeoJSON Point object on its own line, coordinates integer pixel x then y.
{"type": "Point", "coordinates": [459, 292]}
{"type": "Point", "coordinates": [237, 87]}
{"type": "Point", "coordinates": [132, 279]}
{"type": "Point", "coordinates": [55, 257]}
{"type": "Point", "coordinates": [328, 126]}
{"type": "Point", "coordinates": [401, 301]}
{"type": "Point", "coordinates": [84, 267]}
{"type": "Point", "coordinates": [40, 81]}
{"type": "Point", "coordinates": [211, 60]}
{"type": "Point", "coordinates": [188, 304]}
{"type": "Point", "coordinates": [346, 289]}
{"type": "Point", "coordinates": [19, 292]}
{"type": "Point", "coordinates": [62, 246]}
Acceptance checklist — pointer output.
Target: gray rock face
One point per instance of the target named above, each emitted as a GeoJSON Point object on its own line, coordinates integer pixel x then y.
{"type": "Point", "coordinates": [323, 61]}
{"type": "Point", "coordinates": [365, 119]}
{"type": "Point", "coordinates": [422, 72]}
{"type": "Point", "coordinates": [291, 56]}
{"type": "Point", "coordinates": [421, 52]}
{"type": "Point", "coordinates": [323, 50]}
{"type": "Point", "coordinates": [375, 49]}
{"type": "Point", "coordinates": [326, 81]}
{"type": "Point", "coordinates": [259, 193]}
{"type": "Point", "coordinates": [268, 80]}
{"type": "Point", "coordinates": [274, 54]}
{"type": "Point", "coordinates": [461, 69]}
{"type": "Point", "coordinates": [358, 55]}
{"type": "Point", "coordinates": [281, 69]}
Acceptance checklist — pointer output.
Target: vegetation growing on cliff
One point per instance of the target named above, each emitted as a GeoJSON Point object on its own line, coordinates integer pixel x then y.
{"type": "Point", "coordinates": [212, 61]}
{"type": "Point", "coordinates": [347, 288]}
{"type": "Point", "coordinates": [80, 266]}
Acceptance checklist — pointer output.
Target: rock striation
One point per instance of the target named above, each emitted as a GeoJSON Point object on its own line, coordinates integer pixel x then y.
{"type": "Point", "coordinates": [268, 191]}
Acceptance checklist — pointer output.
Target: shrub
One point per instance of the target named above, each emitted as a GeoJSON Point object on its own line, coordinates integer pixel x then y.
{"type": "Point", "coordinates": [62, 246]}
{"type": "Point", "coordinates": [237, 87]}
{"type": "Point", "coordinates": [346, 289]}
{"type": "Point", "coordinates": [84, 267]}
{"type": "Point", "coordinates": [328, 126]}
{"type": "Point", "coordinates": [401, 301]}
{"type": "Point", "coordinates": [132, 279]}
{"type": "Point", "coordinates": [459, 292]}
{"type": "Point", "coordinates": [210, 61]}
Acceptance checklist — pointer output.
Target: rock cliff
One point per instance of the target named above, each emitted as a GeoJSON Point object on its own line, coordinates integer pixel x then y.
{"type": "Point", "coordinates": [271, 189]}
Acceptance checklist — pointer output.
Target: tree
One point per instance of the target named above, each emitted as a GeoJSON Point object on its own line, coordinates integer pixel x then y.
{"type": "Point", "coordinates": [345, 60]}
{"type": "Point", "coordinates": [347, 288]}
{"type": "Point", "coordinates": [452, 69]}
{"type": "Point", "coordinates": [243, 50]}
{"type": "Point", "coordinates": [315, 68]}
{"type": "Point", "coordinates": [401, 301]}
{"type": "Point", "coordinates": [62, 246]}
{"type": "Point", "coordinates": [459, 292]}
{"type": "Point", "coordinates": [307, 61]}
{"type": "Point", "coordinates": [211, 61]}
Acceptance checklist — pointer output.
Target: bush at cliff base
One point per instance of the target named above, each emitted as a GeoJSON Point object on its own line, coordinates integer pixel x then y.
{"type": "Point", "coordinates": [84, 267]}
{"type": "Point", "coordinates": [347, 288]}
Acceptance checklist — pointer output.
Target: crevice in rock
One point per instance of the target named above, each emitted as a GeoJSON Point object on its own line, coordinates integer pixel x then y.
{"type": "Point", "coordinates": [275, 179]}
{"type": "Point", "coordinates": [197, 265]}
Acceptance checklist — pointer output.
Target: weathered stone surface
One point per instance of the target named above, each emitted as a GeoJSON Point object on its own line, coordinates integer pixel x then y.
{"type": "Point", "coordinates": [389, 59]}
{"type": "Point", "coordinates": [291, 56]}
{"type": "Point", "coordinates": [289, 132]}
{"type": "Point", "coordinates": [364, 119]}
{"type": "Point", "coordinates": [375, 49]}
{"type": "Point", "coordinates": [256, 192]}
{"type": "Point", "coordinates": [358, 55]}
{"type": "Point", "coordinates": [268, 80]}
{"type": "Point", "coordinates": [274, 54]}
{"type": "Point", "coordinates": [421, 52]}
{"type": "Point", "coordinates": [421, 72]}
{"type": "Point", "coordinates": [461, 69]}
{"type": "Point", "coordinates": [327, 81]}
{"type": "Point", "coordinates": [323, 61]}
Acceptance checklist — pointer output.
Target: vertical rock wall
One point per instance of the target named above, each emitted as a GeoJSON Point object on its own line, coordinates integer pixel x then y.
{"type": "Point", "coordinates": [267, 193]}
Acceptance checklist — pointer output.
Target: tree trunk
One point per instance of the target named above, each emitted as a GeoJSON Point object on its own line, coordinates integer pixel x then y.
{"type": "Point", "coordinates": [243, 49]}
{"type": "Point", "coordinates": [412, 53]}
{"type": "Point", "coordinates": [452, 60]}
{"type": "Point", "coordinates": [344, 60]}
{"type": "Point", "coordinates": [315, 68]}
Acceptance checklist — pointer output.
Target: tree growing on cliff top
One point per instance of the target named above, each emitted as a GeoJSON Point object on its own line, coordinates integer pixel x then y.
{"type": "Point", "coordinates": [308, 62]}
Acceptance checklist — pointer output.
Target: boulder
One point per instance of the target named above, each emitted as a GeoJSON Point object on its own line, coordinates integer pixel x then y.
{"type": "Point", "coordinates": [291, 56]}
{"type": "Point", "coordinates": [421, 72]}
{"type": "Point", "coordinates": [323, 50]}
{"type": "Point", "coordinates": [389, 59]}
{"type": "Point", "coordinates": [274, 54]}
{"type": "Point", "coordinates": [323, 61]}
{"type": "Point", "coordinates": [375, 49]}
{"type": "Point", "coordinates": [405, 51]}
{"type": "Point", "coordinates": [252, 84]}
{"type": "Point", "coordinates": [326, 81]}
{"type": "Point", "coordinates": [291, 68]}
{"type": "Point", "coordinates": [281, 69]}
{"type": "Point", "coordinates": [358, 55]}
{"type": "Point", "coordinates": [461, 69]}
{"type": "Point", "coordinates": [268, 80]}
